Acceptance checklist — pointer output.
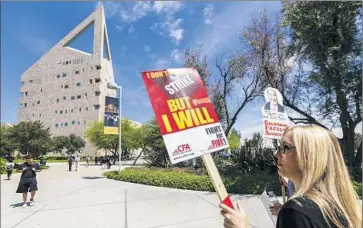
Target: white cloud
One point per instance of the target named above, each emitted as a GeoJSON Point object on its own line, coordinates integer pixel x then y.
{"type": "Point", "coordinates": [167, 7]}
{"type": "Point", "coordinates": [134, 12]}
{"type": "Point", "coordinates": [174, 29]}
{"type": "Point", "coordinates": [147, 48]}
{"type": "Point", "coordinates": [120, 27]}
{"type": "Point", "coordinates": [208, 13]}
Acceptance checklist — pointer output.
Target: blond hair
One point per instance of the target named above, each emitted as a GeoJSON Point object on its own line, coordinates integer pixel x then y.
{"type": "Point", "coordinates": [326, 180]}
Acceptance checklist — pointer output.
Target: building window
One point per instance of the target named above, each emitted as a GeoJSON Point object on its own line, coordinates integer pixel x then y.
{"type": "Point", "coordinates": [66, 86]}
{"type": "Point", "coordinates": [77, 72]}
{"type": "Point", "coordinates": [56, 125]}
{"type": "Point", "coordinates": [62, 86]}
{"type": "Point", "coordinates": [78, 84]}
{"type": "Point", "coordinates": [72, 97]}
{"type": "Point", "coordinates": [96, 107]}
{"type": "Point", "coordinates": [61, 111]}
{"type": "Point", "coordinates": [72, 110]}
{"type": "Point", "coordinates": [57, 100]}
{"type": "Point", "coordinates": [66, 111]}
{"type": "Point", "coordinates": [79, 122]}
{"type": "Point", "coordinates": [98, 67]}
{"type": "Point", "coordinates": [64, 98]}
{"type": "Point", "coordinates": [62, 124]}
{"type": "Point", "coordinates": [33, 114]}
{"type": "Point", "coordinates": [58, 76]}
{"type": "Point", "coordinates": [25, 104]}
{"type": "Point", "coordinates": [83, 69]}
{"type": "Point", "coordinates": [30, 81]}
{"type": "Point", "coordinates": [85, 94]}
{"type": "Point", "coordinates": [97, 80]}
{"type": "Point", "coordinates": [38, 102]}
{"type": "Point", "coordinates": [73, 122]}
{"type": "Point", "coordinates": [55, 111]}
{"type": "Point", "coordinates": [97, 93]}
{"type": "Point", "coordinates": [33, 104]}
{"type": "Point", "coordinates": [90, 81]}
{"type": "Point", "coordinates": [64, 74]}
{"type": "Point", "coordinates": [66, 124]}
{"type": "Point", "coordinates": [86, 108]}
{"type": "Point", "coordinates": [91, 68]}
{"type": "Point", "coordinates": [79, 97]}
{"type": "Point", "coordinates": [41, 90]}
{"type": "Point", "coordinates": [40, 115]}
{"type": "Point", "coordinates": [80, 109]}
{"type": "Point", "coordinates": [84, 122]}
{"type": "Point", "coordinates": [26, 93]}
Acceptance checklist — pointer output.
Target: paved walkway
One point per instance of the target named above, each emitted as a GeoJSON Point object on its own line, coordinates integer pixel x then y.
{"type": "Point", "coordinates": [86, 199]}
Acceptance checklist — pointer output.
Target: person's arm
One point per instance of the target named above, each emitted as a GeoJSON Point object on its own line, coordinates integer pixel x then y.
{"type": "Point", "coordinates": [289, 218]}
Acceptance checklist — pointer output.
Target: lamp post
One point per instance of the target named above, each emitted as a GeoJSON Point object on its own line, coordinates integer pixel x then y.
{"type": "Point", "coordinates": [111, 85]}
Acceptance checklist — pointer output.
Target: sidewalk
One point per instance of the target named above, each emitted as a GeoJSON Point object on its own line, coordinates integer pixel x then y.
{"type": "Point", "coordinates": [86, 199]}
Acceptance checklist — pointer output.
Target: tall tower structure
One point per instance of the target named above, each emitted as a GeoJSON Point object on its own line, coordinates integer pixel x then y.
{"type": "Point", "coordinates": [66, 88]}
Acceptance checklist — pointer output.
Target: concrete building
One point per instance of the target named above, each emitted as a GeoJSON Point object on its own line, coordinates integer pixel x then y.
{"type": "Point", "coordinates": [66, 87]}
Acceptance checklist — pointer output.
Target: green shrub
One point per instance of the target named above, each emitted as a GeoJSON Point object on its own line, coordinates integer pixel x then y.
{"type": "Point", "coordinates": [185, 179]}
{"type": "Point", "coordinates": [358, 188]}
{"type": "Point", "coordinates": [2, 165]}
{"type": "Point", "coordinates": [246, 183]}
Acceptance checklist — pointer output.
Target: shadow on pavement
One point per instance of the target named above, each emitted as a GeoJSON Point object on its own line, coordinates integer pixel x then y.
{"type": "Point", "coordinates": [92, 178]}
{"type": "Point", "coordinates": [16, 205]}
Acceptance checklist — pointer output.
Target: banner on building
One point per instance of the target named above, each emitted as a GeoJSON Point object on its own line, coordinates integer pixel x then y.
{"type": "Point", "coordinates": [186, 117]}
{"type": "Point", "coordinates": [275, 119]}
{"type": "Point", "coordinates": [111, 118]}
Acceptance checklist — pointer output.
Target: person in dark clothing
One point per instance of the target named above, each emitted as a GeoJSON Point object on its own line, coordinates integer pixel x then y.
{"type": "Point", "coordinates": [9, 166]}
{"type": "Point", "coordinates": [70, 163]}
{"type": "Point", "coordinates": [28, 180]}
{"type": "Point", "coordinates": [310, 156]}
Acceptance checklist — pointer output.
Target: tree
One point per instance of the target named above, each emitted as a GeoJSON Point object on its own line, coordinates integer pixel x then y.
{"type": "Point", "coordinates": [140, 138]}
{"type": "Point", "coordinates": [234, 139]}
{"type": "Point", "coordinates": [7, 145]}
{"type": "Point", "coordinates": [235, 87]}
{"type": "Point", "coordinates": [31, 137]}
{"type": "Point", "coordinates": [74, 144]}
{"type": "Point", "coordinates": [95, 134]}
{"type": "Point", "coordinates": [253, 156]}
{"type": "Point", "coordinates": [59, 143]}
{"type": "Point", "coordinates": [156, 153]}
{"type": "Point", "coordinates": [328, 36]}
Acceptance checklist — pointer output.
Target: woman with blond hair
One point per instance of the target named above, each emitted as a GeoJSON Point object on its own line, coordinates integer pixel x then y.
{"type": "Point", "coordinates": [310, 156]}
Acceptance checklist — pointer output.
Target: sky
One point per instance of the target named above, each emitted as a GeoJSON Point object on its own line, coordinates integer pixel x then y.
{"type": "Point", "coordinates": [143, 36]}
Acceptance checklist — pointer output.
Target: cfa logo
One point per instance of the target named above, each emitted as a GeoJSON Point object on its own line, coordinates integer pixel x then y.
{"type": "Point", "coordinates": [182, 149]}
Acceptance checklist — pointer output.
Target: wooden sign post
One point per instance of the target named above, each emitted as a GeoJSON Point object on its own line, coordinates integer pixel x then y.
{"type": "Point", "coordinates": [216, 180]}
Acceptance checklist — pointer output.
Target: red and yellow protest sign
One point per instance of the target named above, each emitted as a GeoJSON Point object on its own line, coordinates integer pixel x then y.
{"type": "Point", "coordinates": [184, 112]}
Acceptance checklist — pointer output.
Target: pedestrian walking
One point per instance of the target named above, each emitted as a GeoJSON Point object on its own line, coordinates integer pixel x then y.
{"type": "Point", "coordinates": [9, 166]}
{"type": "Point", "coordinates": [77, 160]}
{"type": "Point", "coordinates": [88, 160]}
{"type": "Point", "coordinates": [70, 163]}
{"type": "Point", "coordinates": [28, 181]}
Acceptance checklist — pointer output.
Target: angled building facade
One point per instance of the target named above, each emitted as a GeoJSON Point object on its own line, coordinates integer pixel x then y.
{"type": "Point", "coordinates": [66, 87]}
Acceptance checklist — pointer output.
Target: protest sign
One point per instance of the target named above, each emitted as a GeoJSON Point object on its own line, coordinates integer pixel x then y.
{"type": "Point", "coordinates": [275, 120]}
{"type": "Point", "coordinates": [186, 117]}
{"type": "Point", "coordinates": [111, 117]}
{"type": "Point", "coordinates": [187, 120]}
